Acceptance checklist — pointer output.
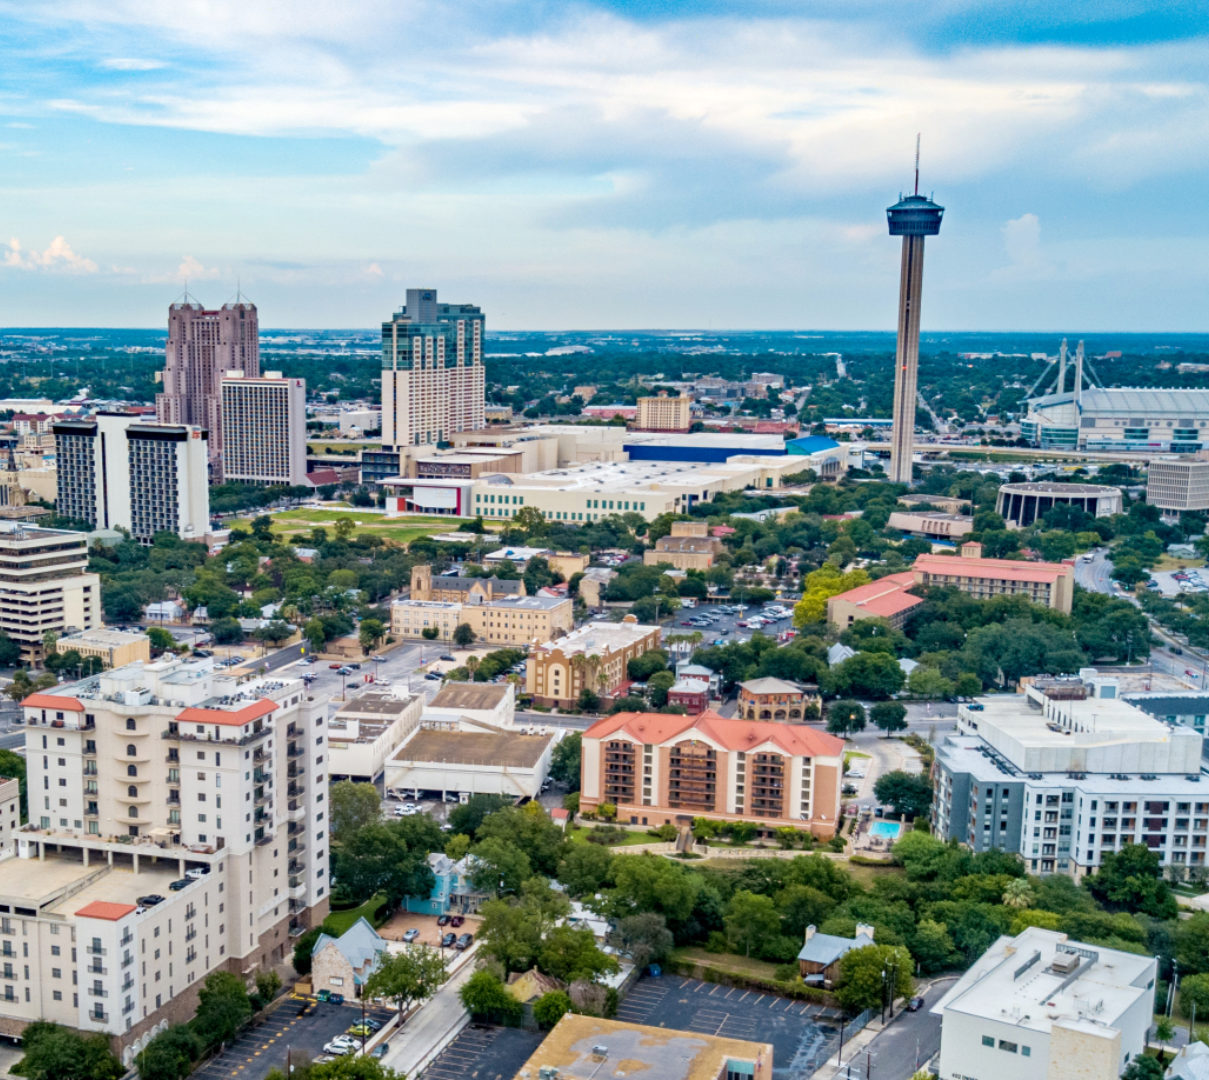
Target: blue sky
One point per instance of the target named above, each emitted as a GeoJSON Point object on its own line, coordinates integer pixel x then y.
{"type": "Point", "coordinates": [718, 163]}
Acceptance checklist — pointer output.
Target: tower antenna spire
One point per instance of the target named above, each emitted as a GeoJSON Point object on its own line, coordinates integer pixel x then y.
{"type": "Point", "coordinates": [917, 163]}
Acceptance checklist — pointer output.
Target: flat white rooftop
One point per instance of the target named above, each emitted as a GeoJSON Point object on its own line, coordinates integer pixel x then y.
{"type": "Point", "coordinates": [1016, 982]}
{"type": "Point", "coordinates": [599, 637]}
{"type": "Point", "coordinates": [628, 475]}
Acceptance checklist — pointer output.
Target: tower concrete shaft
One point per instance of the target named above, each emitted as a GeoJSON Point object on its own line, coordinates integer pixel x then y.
{"type": "Point", "coordinates": [906, 373]}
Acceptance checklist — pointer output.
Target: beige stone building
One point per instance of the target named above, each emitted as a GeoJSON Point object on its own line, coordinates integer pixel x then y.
{"type": "Point", "coordinates": [593, 585]}
{"type": "Point", "coordinates": [593, 657]}
{"type": "Point", "coordinates": [659, 769]}
{"type": "Point", "coordinates": [166, 781]}
{"type": "Point", "coordinates": [460, 590]}
{"type": "Point", "coordinates": [663, 413]}
{"type": "Point", "coordinates": [567, 563]}
{"type": "Point", "coordinates": [688, 547]}
{"type": "Point", "coordinates": [507, 620]}
{"type": "Point", "coordinates": [115, 648]}
{"type": "Point", "coordinates": [10, 811]}
{"type": "Point", "coordinates": [342, 964]}
{"type": "Point", "coordinates": [931, 525]}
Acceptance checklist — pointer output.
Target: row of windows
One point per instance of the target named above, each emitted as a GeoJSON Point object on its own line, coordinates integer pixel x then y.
{"type": "Point", "coordinates": [1008, 1046]}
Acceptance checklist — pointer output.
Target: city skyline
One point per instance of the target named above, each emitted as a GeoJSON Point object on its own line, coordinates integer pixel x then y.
{"type": "Point", "coordinates": [609, 166]}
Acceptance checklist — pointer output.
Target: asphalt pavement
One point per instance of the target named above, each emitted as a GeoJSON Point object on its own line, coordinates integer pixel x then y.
{"type": "Point", "coordinates": [905, 1045]}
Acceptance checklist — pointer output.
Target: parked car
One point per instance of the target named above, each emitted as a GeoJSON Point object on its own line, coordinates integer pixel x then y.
{"type": "Point", "coordinates": [197, 872]}
{"type": "Point", "coordinates": [380, 1051]}
{"type": "Point", "coordinates": [346, 670]}
{"type": "Point", "coordinates": [150, 900]}
{"type": "Point", "coordinates": [456, 920]}
{"type": "Point", "coordinates": [433, 675]}
{"type": "Point", "coordinates": [354, 666]}
{"type": "Point", "coordinates": [447, 940]}
{"type": "Point", "coordinates": [464, 942]}
{"type": "Point", "coordinates": [915, 1004]}
{"type": "Point", "coordinates": [336, 666]}
{"type": "Point", "coordinates": [361, 1029]}
{"type": "Point", "coordinates": [450, 659]}
{"type": "Point", "coordinates": [976, 706]}
{"type": "Point", "coordinates": [176, 886]}
{"type": "Point", "coordinates": [443, 920]}
{"type": "Point", "coordinates": [411, 934]}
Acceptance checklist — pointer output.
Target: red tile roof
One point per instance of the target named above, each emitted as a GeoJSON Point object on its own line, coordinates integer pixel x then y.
{"type": "Point", "coordinates": [1002, 569]}
{"type": "Point", "coordinates": [885, 597]}
{"type": "Point", "coordinates": [53, 701]}
{"type": "Point", "coordinates": [559, 814]}
{"type": "Point", "coordinates": [730, 734]}
{"type": "Point", "coordinates": [105, 909]}
{"type": "Point", "coordinates": [231, 719]}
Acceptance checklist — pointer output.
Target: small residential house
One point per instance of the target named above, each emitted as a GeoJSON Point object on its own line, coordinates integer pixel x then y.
{"type": "Point", "coordinates": [343, 964]}
{"type": "Point", "coordinates": [692, 695]}
{"type": "Point", "coordinates": [1191, 1062]}
{"type": "Point", "coordinates": [819, 960]}
{"type": "Point", "coordinates": [685, 669]}
{"type": "Point", "coordinates": [452, 891]}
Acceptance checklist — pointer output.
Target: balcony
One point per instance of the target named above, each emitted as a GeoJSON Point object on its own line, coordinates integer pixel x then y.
{"type": "Point", "coordinates": [95, 950]}
{"type": "Point", "coordinates": [98, 992]}
{"type": "Point", "coordinates": [296, 770]}
{"type": "Point", "coordinates": [295, 750]}
{"type": "Point", "coordinates": [295, 828]}
{"type": "Point", "coordinates": [97, 968]}
{"type": "Point", "coordinates": [295, 789]}
{"type": "Point", "coordinates": [296, 848]}
{"type": "Point", "coordinates": [128, 984]}
{"type": "Point", "coordinates": [295, 810]}
{"type": "Point", "coordinates": [100, 1016]}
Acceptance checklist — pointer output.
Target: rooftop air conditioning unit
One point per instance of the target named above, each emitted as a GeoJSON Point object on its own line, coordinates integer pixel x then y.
{"type": "Point", "coordinates": [1065, 963]}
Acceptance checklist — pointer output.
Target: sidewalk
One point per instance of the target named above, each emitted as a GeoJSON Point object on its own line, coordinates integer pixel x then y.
{"type": "Point", "coordinates": [429, 1029]}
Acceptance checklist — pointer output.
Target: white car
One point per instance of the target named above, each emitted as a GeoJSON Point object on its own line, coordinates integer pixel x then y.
{"type": "Point", "coordinates": [339, 1047]}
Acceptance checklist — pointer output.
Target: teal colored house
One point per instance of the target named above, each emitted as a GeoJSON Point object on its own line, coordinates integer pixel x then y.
{"type": "Point", "coordinates": [452, 891]}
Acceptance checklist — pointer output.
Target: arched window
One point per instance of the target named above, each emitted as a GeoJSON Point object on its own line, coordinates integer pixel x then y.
{"type": "Point", "coordinates": [130, 750]}
{"type": "Point", "coordinates": [132, 791]}
{"type": "Point", "coordinates": [134, 811]}
{"type": "Point", "coordinates": [130, 723]}
{"type": "Point", "coordinates": [132, 770]}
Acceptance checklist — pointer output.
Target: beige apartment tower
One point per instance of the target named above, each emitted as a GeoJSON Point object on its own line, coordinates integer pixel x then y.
{"type": "Point", "coordinates": [264, 429]}
{"type": "Point", "coordinates": [663, 413]}
{"type": "Point", "coordinates": [202, 346]}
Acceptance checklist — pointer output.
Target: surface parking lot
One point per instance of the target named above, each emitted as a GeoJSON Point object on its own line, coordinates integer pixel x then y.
{"type": "Point", "coordinates": [803, 1035]}
{"type": "Point", "coordinates": [484, 1053]}
{"type": "Point", "coordinates": [265, 1046]}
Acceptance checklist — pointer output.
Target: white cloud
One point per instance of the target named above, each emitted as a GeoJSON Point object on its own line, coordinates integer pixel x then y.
{"type": "Point", "coordinates": [1022, 240]}
{"type": "Point", "coordinates": [131, 63]}
{"type": "Point", "coordinates": [192, 269]}
{"type": "Point", "coordinates": [58, 256]}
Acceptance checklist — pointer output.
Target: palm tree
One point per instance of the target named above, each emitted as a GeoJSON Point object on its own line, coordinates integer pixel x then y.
{"type": "Point", "coordinates": [1018, 893]}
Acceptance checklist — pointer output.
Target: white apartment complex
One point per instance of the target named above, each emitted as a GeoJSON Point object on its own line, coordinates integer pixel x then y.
{"type": "Point", "coordinates": [264, 429]}
{"type": "Point", "coordinates": [432, 371]}
{"type": "Point", "coordinates": [118, 471]}
{"type": "Point", "coordinates": [1041, 1005]}
{"type": "Point", "coordinates": [44, 585]}
{"type": "Point", "coordinates": [10, 812]}
{"type": "Point", "coordinates": [178, 825]}
{"type": "Point", "coordinates": [1067, 771]}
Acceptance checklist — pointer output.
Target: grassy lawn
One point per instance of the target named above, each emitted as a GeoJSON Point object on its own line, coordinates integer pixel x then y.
{"type": "Point", "coordinates": [578, 832]}
{"type": "Point", "coordinates": [1172, 562]}
{"type": "Point", "coordinates": [850, 754]}
{"type": "Point", "coordinates": [867, 875]}
{"type": "Point", "coordinates": [339, 921]}
{"type": "Point", "coordinates": [730, 962]}
{"type": "Point", "coordinates": [294, 523]}
{"type": "Point", "coordinates": [335, 447]}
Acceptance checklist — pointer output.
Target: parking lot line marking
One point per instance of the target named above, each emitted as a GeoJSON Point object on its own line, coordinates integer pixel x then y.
{"type": "Point", "coordinates": [746, 995]}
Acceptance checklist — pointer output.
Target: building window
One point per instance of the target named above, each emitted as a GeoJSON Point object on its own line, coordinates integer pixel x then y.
{"type": "Point", "coordinates": [1010, 1047]}
{"type": "Point", "coordinates": [987, 1040]}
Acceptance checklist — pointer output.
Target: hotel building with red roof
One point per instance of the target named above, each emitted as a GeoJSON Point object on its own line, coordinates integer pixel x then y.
{"type": "Point", "coordinates": [176, 827]}
{"type": "Point", "coordinates": [659, 769]}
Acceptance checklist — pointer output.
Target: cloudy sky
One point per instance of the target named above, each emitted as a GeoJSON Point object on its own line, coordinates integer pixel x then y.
{"type": "Point", "coordinates": [623, 163]}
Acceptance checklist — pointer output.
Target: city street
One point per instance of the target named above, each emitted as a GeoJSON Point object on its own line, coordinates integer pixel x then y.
{"type": "Point", "coordinates": [905, 1045]}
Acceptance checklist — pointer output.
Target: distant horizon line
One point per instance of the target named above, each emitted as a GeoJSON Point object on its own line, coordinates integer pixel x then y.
{"type": "Point", "coordinates": [648, 330]}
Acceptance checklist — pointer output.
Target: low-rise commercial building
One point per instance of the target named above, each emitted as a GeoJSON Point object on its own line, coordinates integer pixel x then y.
{"type": "Point", "coordinates": [692, 695]}
{"type": "Point", "coordinates": [1022, 504]}
{"type": "Point", "coordinates": [45, 585]}
{"type": "Point", "coordinates": [1062, 774]}
{"type": "Point", "coordinates": [887, 598]}
{"type": "Point", "coordinates": [777, 700]}
{"type": "Point", "coordinates": [1175, 484]}
{"type": "Point", "coordinates": [366, 730]}
{"type": "Point", "coordinates": [931, 525]}
{"type": "Point", "coordinates": [688, 546]}
{"type": "Point", "coordinates": [509, 621]}
{"type": "Point", "coordinates": [1040, 1004]}
{"type": "Point", "coordinates": [658, 769]}
{"type": "Point", "coordinates": [484, 703]}
{"type": "Point", "coordinates": [114, 648]}
{"type": "Point", "coordinates": [593, 657]}
{"type": "Point", "coordinates": [1051, 584]}
{"type": "Point", "coordinates": [581, 1047]}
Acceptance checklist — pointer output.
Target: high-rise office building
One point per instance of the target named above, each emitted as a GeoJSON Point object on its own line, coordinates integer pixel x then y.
{"type": "Point", "coordinates": [45, 585]}
{"type": "Point", "coordinates": [203, 346]}
{"type": "Point", "coordinates": [432, 371]}
{"type": "Point", "coordinates": [176, 827]}
{"type": "Point", "coordinates": [913, 217]}
{"type": "Point", "coordinates": [263, 429]}
{"type": "Point", "coordinates": [117, 471]}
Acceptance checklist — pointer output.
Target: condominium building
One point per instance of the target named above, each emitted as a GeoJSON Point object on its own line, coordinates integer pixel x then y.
{"type": "Point", "coordinates": [1039, 1004]}
{"type": "Point", "coordinates": [1066, 771]}
{"type": "Point", "coordinates": [114, 648]}
{"type": "Point", "coordinates": [117, 471]}
{"type": "Point", "coordinates": [594, 657]}
{"type": "Point", "coordinates": [264, 429]}
{"type": "Point", "coordinates": [1175, 484]}
{"type": "Point", "coordinates": [663, 413]}
{"type": "Point", "coordinates": [10, 811]}
{"type": "Point", "coordinates": [432, 371]}
{"type": "Point", "coordinates": [1051, 584]}
{"type": "Point", "coordinates": [507, 620]}
{"type": "Point", "coordinates": [659, 769]}
{"type": "Point", "coordinates": [45, 585]}
{"type": "Point", "coordinates": [178, 826]}
{"type": "Point", "coordinates": [202, 347]}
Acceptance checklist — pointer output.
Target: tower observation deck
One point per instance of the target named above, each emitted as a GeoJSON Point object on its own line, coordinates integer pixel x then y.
{"type": "Point", "coordinates": [913, 217]}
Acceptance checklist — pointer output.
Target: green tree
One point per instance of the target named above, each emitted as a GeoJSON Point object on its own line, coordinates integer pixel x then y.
{"type": "Point", "coordinates": [485, 997]}
{"type": "Point", "coordinates": [378, 859]}
{"type": "Point", "coordinates": [1164, 1031]}
{"type": "Point", "coordinates": [372, 631]}
{"type": "Point", "coordinates": [751, 920]}
{"type": "Point", "coordinates": [1143, 1067]}
{"type": "Point", "coordinates": [56, 1053]}
{"type": "Point", "coordinates": [1131, 880]}
{"type": "Point", "coordinates": [468, 816]}
{"type": "Point", "coordinates": [161, 641]}
{"type": "Point", "coordinates": [570, 953]}
{"type": "Point", "coordinates": [802, 906]}
{"type": "Point", "coordinates": [1194, 995]}
{"type": "Point", "coordinates": [650, 883]}
{"type": "Point", "coordinates": [910, 794]}
{"type": "Point", "coordinates": [463, 635]}
{"type": "Point", "coordinates": [861, 982]}
{"type": "Point", "coordinates": [302, 951]}
{"type": "Point", "coordinates": [529, 830]}
{"type": "Point", "coordinates": [500, 867]}
{"type": "Point", "coordinates": [315, 634]}
{"type": "Point", "coordinates": [967, 685]}
{"type": "Point", "coordinates": [585, 868]}
{"type": "Point", "coordinates": [10, 651]}
{"type": "Point", "coordinates": [845, 717]}
{"type": "Point", "coordinates": [644, 938]}
{"type": "Point", "coordinates": [889, 716]}
{"type": "Point", "coordinates": [873, 675]}
{"type": "Point", "coordinates": [170, 1055]}
{"type": "Point", "coordinates": [352, 807]}
{"type": "Point", "coordinates": [407, 977]}
{"type": "Point", "coordinates": [223, 1008]}
{"type": "Point", "coordinates": [928, 682]}
{"type": "Point", "coordinates": [550, 1007]}
{"type": "Point", "coordinates": [1018, 894]}
{"type": "Point", "coordinates": [933, 947]}
{"type": "Point", "coordinates": [657, 687]}
{"type": "Point", "coordinates": [226, 631]}
{"type": "Point", "coordinates": [588, 700]}
{"type": "Point", "coordinates": [565, 761]}
{"type": "Point", "coordinates": [344, 529]}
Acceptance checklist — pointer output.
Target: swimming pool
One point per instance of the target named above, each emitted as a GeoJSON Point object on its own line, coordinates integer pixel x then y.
{"type": "Point", "coordinates": [882, 829]}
